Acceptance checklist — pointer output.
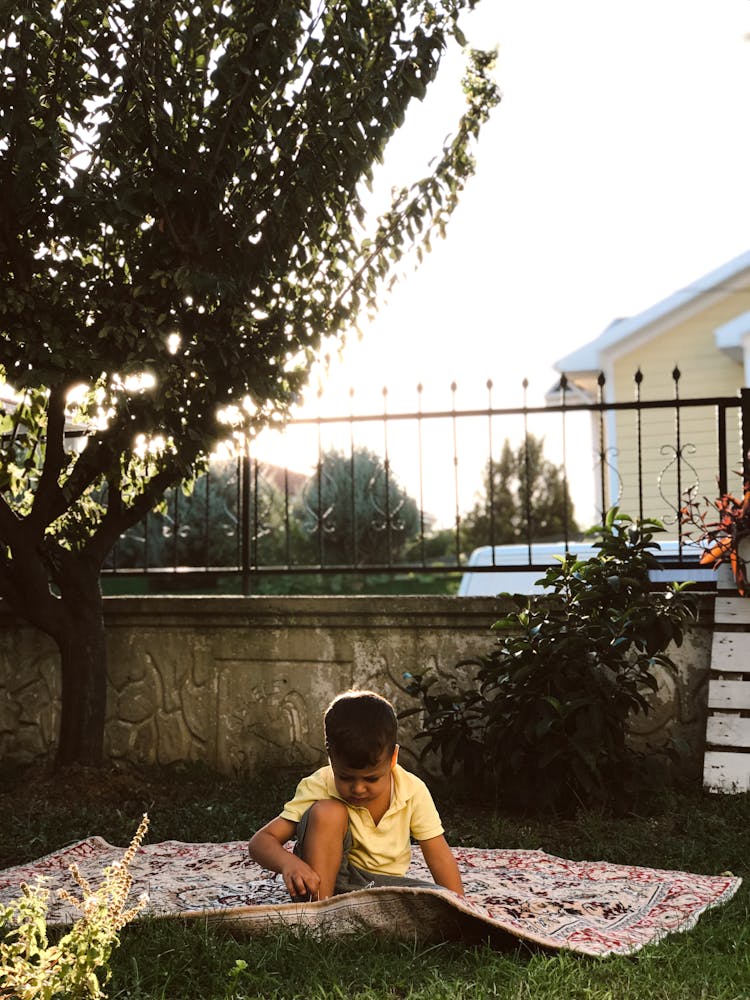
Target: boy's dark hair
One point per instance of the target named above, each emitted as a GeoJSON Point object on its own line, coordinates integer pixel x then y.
{"type": "Point", "coordinates": [360, 728]}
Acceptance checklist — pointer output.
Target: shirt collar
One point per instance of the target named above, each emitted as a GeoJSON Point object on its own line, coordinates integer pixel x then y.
{"type": "Point", "coordinates": [400, 794]}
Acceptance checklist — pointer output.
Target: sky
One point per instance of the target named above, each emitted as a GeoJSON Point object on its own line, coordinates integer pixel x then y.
{"type": "Point", "coordinates": [613, 173]}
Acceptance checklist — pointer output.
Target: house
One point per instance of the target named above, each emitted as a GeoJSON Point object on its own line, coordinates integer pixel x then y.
{"type": "Point", "coordinates": [693, 344]}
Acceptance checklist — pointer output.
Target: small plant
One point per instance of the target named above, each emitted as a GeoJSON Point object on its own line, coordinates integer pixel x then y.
{"type": "Point", "coordinates": [542, 720]}
{"type": "Point", "coordinates": [33, 969]}
{"type": "Point", "coordinates": [722, 526]}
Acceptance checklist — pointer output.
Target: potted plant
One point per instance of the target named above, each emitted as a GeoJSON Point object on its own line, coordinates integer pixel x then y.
{"type": "Point", "coordinates": [723, 529]}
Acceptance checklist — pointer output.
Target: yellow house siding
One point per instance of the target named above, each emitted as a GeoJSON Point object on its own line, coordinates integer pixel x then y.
{"type": "Point", "coordinates": [679, 331]}
{"type": "Point", "coordinates": [704, 371]}
{"type": "Point", "coordinates": [662, 491]}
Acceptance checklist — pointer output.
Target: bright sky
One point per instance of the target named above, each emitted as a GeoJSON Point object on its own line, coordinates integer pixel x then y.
{"type": "Point", "coordinates": [614, 172]}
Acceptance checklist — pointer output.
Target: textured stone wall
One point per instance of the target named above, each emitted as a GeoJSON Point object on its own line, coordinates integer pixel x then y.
{"type": "Point", "coordinates": [241, 683]}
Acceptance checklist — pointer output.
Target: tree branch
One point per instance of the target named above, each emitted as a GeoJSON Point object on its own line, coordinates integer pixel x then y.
{"type": "Point", "coordinates": [10, 523]}
{"type": "Point", "coordinates": [59, 56]}
{"type": "Point", "coordinates": [119, 517]}
{"type": "Point", "coordinates": [48, 490]}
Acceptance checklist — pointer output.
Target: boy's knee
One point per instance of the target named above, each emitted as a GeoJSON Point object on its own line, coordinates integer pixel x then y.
{"type": "Point", "coordinates": [329, 814]}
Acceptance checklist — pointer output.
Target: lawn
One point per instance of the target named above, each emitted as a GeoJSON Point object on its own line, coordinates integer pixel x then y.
{"type": "Point", "coordinates": [173, 961]}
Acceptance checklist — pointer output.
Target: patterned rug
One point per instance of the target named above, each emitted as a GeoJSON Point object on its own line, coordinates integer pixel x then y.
{"type": "Point", "coordinates": [593, 908]}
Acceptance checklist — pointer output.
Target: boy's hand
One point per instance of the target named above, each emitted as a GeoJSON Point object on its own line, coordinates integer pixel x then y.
{"type": "Point", "coordinates": [300, 879]}
{"type": "Point", "coordinates": [267, 848]}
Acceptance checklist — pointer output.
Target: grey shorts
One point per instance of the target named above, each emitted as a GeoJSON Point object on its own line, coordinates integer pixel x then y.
{"type": "Point", "coordinates": [350, 877]}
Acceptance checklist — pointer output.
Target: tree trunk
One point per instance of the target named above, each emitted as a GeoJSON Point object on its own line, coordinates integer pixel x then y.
{"type": "Point", "coordinates": [83, 667]}
{"type": "Point", "coordinates": [67, 605]}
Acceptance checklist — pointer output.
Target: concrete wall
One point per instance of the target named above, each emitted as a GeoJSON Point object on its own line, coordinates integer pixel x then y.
{"type": "Point", "coordinates": [240, 683]}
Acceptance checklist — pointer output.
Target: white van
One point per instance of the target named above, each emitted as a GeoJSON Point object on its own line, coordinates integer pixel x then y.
{"type": "Point", "coordinates": [521, 581]}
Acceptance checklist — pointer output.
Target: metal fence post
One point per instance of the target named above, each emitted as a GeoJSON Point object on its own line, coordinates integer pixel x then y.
{"type": "Point", "coordinates": [244, 518]}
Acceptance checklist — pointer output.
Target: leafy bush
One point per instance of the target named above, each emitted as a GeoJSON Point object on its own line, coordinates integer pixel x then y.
{"type": "Point", "coordinates": [33, 969]}
{"type": "Point", "coordinates": [541, 721]}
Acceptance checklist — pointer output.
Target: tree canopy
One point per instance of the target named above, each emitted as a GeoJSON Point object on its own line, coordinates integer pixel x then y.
{"type": "Point", "coordinates": [182, 221]}
{"type": "Point", "coordinates": [524, 497]}
{"type": "Point", "coordinates": [355, 511]}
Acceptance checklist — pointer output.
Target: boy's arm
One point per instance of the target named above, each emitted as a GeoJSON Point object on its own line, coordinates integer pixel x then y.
{"type": "Point", "coordinates": [441, 863]}
{"type": "Point", "coordinates": [267, 848]}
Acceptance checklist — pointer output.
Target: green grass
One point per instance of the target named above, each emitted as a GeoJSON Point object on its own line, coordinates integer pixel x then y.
{"type": "Point", "coordinates": [175, 961]}
{"type": "Point", "coordinates": [287, 584]}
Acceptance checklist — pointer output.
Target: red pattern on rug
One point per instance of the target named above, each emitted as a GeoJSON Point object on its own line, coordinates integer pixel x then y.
{"type": "Point", "coordinates": [594, 908]}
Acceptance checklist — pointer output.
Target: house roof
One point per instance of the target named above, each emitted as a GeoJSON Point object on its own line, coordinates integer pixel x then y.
{"type": "Point", "coordinates": [588, 358]}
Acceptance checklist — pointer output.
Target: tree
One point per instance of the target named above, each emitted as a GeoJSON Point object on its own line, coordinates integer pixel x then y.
{"type": "Point", "coordinates": [355, 510]}
{"type": "Point", "coordinates": [198, 525]}
{"type": "Point", "coordinates": [182, 220]}
{"type": "Point", "coordinates": [197, 529]}
{"type": "Point", "coordinates": [524, 496]}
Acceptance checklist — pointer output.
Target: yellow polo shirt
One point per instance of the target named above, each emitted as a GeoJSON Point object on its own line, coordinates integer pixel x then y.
{"type": "Point", "coordinates": [386, 847]}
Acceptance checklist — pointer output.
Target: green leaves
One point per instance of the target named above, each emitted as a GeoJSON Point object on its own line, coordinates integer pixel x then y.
{"type": "Point", "coordinates": [543, 719]}
{"type": "Point", "coordinates": [181, 196]}
{"type": "Point", "coordinates": [197, 172]}
{"type": "Point", "coordinates": [77, 965]}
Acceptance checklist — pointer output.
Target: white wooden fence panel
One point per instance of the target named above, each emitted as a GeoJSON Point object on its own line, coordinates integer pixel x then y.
{"type": "Point", "coordinates": [726, 764]}
{"type": "Point", "coordinates": [726, 772]}
{"type": "Point", "coordinates": [728, 730]}
{"type": "Point", "coordinates": [732, 610]}
{"type": "Point", "coordinates": [730, 652]}
{"type": "Point", "coordinates": [729, 694]}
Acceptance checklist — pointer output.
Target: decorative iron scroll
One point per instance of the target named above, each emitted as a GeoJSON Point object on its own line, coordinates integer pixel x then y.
{"type": "Point", "coordinates": [679, 461]}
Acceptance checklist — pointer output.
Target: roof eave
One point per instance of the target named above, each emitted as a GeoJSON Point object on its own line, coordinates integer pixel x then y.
{"type": "Point", "coordinates": [590, 357]}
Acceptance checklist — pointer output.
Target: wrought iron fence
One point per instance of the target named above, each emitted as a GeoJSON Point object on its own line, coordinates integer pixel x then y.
{"type": "Point", "coordinates": [365, 498]}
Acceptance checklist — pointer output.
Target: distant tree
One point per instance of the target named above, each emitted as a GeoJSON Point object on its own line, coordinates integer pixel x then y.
{"type": "Point", "coordinates": [197, 526]}
{"type": "Point", "coordinates": [182, 221]}
{"type": "Point", "coordinates": [437, 546]}
{"type": "Point", "coordinates": [524, 496]}
{"type": "Point", "coordinates": [355, 511]}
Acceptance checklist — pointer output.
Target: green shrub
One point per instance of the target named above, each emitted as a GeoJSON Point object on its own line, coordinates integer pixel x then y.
{"type": "Point", "coordinates": [541, 721]}
{"type": "Point", "coordinates": [33, 969]}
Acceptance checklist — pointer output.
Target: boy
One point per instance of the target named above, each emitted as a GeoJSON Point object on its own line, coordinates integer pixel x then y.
{"type": "Point", "coordinates": [353, 819]}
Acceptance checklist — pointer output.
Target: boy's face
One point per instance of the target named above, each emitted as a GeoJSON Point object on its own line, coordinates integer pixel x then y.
{"type": "Point", "coordinates": [364, 786]}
